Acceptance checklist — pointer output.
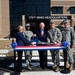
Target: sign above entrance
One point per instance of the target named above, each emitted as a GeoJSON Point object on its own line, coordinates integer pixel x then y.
{"type": "Point", "coordinates": [48, 17]}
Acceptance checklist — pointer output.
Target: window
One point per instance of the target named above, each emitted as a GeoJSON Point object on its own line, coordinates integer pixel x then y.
{"type": "Point", "coordinates": [37, 7]}
{"type": "Point", "coordinates": [72, 10]}
{"type": "Point", "coordinates": [28, 8]}
{"type": "Point", "coordinates": [57, 10]}
{"type": "Point", "coordinates": [16, 11]}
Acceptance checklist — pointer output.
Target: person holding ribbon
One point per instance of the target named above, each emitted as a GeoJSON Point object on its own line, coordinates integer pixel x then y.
{"type": "Point", "coordinates": [42, 36]}
{"type": "Point", "coordinates": [54, 37]}
{"type": "Point", "coordinates": [21, 41]}
{"type": "Point", "coordinates": [28, 54]}
{"type": "Point", "coordinates": [69, 36]}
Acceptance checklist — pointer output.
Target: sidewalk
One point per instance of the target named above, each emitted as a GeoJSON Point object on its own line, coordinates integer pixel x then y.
{"type": "Point", "coordinates": [35, 57]}
{"type": "Point", "coordinates": [37, 73]}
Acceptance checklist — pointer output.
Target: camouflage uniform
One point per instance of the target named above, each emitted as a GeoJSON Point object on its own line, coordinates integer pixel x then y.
{"type": "Point", "coordinates": [28, 54]}
{"type": "Point", "coordinates": [68, 35]}
{"type": "Point", "coordinates": [54, 35]}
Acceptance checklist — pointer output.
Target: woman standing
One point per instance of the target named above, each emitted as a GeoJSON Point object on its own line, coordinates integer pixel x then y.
{"type": "Point", "coordinates": [21, 41]}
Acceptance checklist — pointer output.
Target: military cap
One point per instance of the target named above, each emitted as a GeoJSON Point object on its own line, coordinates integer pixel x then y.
{"type": "Point", "coordinates": [51, 22]}
{"type": "Point", "coordinates": [27, 24]}
{"type": "Point", "coordinates": [65, 21]}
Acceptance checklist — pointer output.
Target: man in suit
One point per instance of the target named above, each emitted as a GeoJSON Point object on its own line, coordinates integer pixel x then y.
{"type": "Point", "coordinates": [41, 34]}
{"type": "Point", "coordinates": [21, 41]}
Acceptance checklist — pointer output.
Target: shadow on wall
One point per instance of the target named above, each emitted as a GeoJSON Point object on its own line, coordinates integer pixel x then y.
{"type": "Point", "coordinates": [8, 36]}
{"type": "Point", "coordinates": [12, 34]}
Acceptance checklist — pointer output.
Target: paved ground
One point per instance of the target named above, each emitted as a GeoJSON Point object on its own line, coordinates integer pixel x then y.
{"type": "Point", "coordinates": [6, 62]}
{"type": "Point", "coordinates": [37, 73]}
{"type": "Point", "coordinates": [6, 66]}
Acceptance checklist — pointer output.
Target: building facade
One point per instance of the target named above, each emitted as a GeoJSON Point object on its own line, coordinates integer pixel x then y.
{"type": "Point", "coordinates": [4, 18]}
{"type": "Point", "coordinates": [63, 8]}
{"type": "Point", "coordinates": [12, 13]}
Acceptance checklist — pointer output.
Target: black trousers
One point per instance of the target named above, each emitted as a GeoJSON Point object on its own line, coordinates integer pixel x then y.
{"type": "Point", "coordinates": [19, 61]}
{"type": "Point", "coordinates": [43, 59]}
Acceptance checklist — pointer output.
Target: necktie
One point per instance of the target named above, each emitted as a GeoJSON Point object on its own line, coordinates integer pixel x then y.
{"type": "Point", "coordinates": [42, 32]}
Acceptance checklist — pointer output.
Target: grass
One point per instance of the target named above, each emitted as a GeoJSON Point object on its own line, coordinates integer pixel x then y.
{"type": "Point", "coordinates": [5, 44]}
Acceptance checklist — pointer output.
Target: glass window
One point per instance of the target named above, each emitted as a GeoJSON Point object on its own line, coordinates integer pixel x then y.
{"type": "Point", "coordinates": [37, 7]}
{"type": "Point", "coordinates": [20, 9]}
{"type": "Point", "coordinates": [28, 8]}
{"type": "Point", "coordinates": [72, 10]}
{"type": "Point", "coordinates": [20, 3]}
{"type": "Point", "coordinates": [54, 11]}
{"type": "Point", "coordinates": [57, 10]}
{"type": "Point", "coordinates": [33, 14]}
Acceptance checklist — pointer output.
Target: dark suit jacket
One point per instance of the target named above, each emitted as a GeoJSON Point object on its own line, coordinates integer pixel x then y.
{"type": "Point", "coordinates": [42, 38]}
{"type": "Point", "coordinates": [21, 40]}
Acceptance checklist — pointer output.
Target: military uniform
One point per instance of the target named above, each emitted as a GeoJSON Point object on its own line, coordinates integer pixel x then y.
{"type": "Point", "coordinates": [54, 35]}
{"type": "Point", "coordinates": [68, 35]}
{"type": "Point", "coordinates": [28, 54]}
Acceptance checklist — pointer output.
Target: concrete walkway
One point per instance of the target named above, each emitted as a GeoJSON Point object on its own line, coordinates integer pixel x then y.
{"type": "Point", "coordinates": [37, 73]}
{"type": "Point", "coordinates": [44, 72]}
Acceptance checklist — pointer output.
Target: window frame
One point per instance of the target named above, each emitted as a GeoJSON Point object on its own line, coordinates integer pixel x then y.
{"type": "Point", "coordinates": [55, 10]}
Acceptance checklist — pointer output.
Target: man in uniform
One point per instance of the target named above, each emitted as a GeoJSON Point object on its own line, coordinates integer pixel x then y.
{"type": "Point", "coordinates": [68, 35]}
{"type": "Point", "coordinates": [54, 36]}
{"type": "Point", "coordinates": [28, 54]}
